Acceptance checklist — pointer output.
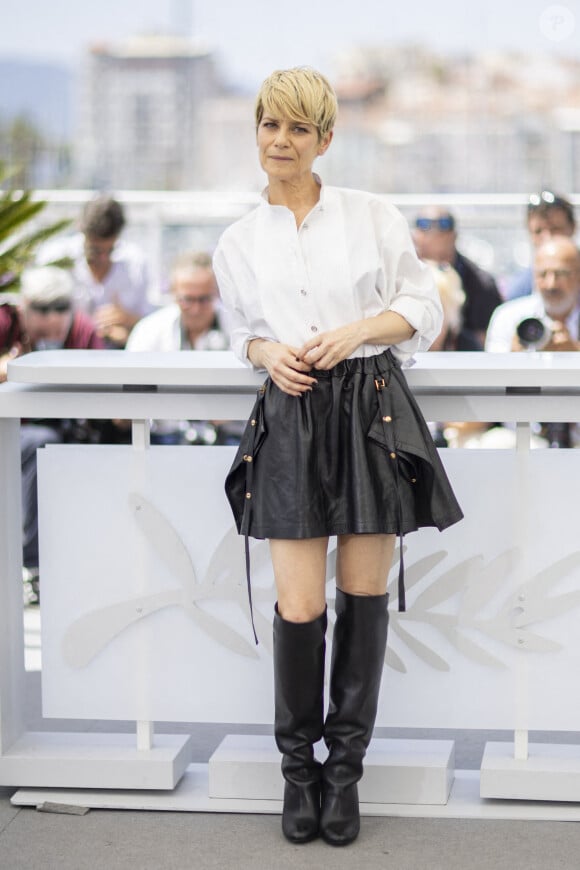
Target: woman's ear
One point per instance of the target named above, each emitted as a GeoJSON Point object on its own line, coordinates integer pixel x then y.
{"type": "Point", "coordinates": [324, 143]}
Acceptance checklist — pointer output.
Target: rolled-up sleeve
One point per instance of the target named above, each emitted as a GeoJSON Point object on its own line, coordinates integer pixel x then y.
{"type": "Point", "coordinates": [410, 290]}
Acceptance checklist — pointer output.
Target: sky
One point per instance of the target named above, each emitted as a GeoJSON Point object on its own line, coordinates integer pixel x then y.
{"type": "Point", "coordinates": [252, 37]}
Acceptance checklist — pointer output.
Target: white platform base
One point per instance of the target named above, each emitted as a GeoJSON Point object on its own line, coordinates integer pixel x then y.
{"type": "Point", "coordinates": [247, 767]}
{"type": "Point", "coordinates": [550, 773]}
{"type": "Point", "coordinates": [108, 761]}
{"type": "Point", "coordinates": [191, 796]}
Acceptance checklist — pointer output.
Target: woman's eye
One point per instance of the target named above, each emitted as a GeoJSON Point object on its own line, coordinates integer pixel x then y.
{"type": "Point", "coordinates": [301, 129]}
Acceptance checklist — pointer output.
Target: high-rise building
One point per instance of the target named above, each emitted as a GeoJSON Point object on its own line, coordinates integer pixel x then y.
{"type": "Point", "coordinates": [140, 112]}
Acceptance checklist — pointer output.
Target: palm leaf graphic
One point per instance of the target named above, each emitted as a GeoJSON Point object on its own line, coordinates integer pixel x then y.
{"type": "Point", "coordinates": [88, 635]}
{"type": "Point", "coordinates": [392, 660]}
{"type": "Point", "coordinates": [428, 656]}
{"type": "Point", "coordinates": [419, 569]}
{"type": "Point", "coordinates": [473, 651]}
{"type": "Point", "coordinates": [491, 579]}
{"type": "Point", "coordinates": [551, 575]}
{"type": "Point", "coordinates": [522, 640]}
{"type": "Point", "coordinates": [448, 584]}
{"type": "Point", "coordinates": [547, 608]}
{"type": "Point", "coordinates": [168, 544]}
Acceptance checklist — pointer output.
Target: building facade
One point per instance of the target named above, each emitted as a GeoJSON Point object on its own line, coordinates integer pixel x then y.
{"type": "Point", "coordinates": [140, 114]}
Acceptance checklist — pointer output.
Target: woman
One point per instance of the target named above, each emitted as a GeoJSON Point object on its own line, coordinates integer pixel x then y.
{"type": "Point", "coordinates": [326, 294]}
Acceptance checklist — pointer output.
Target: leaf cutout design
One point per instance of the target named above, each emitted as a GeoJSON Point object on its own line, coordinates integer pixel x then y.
{"type": "Point", "coordinates": [428, 656]}
{"type": "Point", "coordinates": [162, 536]}
{"type": "Point", "coordinates": [474, 652]}
{"type": "Point", "coordinates": [88, 635]}
{"type": "Point", "coordinates": [529, 642]}
{"type": "Point", "coordinates": [546, 608]}
{"type": "Point", "coordinates": [447, 584]}
{"type": "Point", "coordinates": [552, 574]}
{"type": "Point", "coordinates": [419, 569]}
{"type": "Point", "coordinates": [491, 579]}
{"type": "Point", "coordinates": [227, 560]}
{"type": "Point", "coordinates": [222, 633]}
{"type": "Point", "coordinates": [392, 660]}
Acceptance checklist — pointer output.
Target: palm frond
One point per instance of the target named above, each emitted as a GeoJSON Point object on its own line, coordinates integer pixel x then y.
{"type": "Point", "coordinates": [20, 235]}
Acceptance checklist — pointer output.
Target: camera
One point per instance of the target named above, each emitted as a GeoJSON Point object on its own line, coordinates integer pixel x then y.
{"type": "Point", "coordinates": [533, 333]}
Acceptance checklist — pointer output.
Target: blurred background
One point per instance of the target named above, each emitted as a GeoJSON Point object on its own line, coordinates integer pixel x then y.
{"type": "Point", "coordinates": [473, 106]}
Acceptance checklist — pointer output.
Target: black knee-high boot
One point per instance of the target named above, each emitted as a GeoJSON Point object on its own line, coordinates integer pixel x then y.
{"type": "Point", "coordinates": [298, 719]}
{"type": "Point", "coordinates": [358, 655]}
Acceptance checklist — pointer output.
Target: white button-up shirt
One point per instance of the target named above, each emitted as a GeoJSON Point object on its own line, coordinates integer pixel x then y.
{"type": "Point", "coordinates": [351, 258]}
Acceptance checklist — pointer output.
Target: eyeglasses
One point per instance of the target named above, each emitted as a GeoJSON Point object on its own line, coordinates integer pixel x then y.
{"type": "Point", "coordinates": [58, 307]}
{"type": "Point", "coordinates": [445, 224]}
{"type": "Point", "coordinates": [189, 301]}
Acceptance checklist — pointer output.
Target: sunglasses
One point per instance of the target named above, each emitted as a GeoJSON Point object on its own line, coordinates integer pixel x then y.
{"type": "Point", "coordinates": [445, 224]}
{"type": "Point", "coordinates": [547, 198]}
{"type": "Point", "coordinates": [59, 307]}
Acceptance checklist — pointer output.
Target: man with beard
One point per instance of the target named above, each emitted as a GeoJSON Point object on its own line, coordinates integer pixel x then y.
{"type": "Point", "coordinates": [555, 306]}
{"type": "Point", "coordinates": [555, 302]}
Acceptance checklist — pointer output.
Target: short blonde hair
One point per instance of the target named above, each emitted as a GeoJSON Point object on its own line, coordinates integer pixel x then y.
{"type": "Point", "coordinates": [300, 93]}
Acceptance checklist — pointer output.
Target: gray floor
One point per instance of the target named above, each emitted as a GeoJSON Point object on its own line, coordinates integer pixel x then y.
{"type": "Point", "coordinates": [107, 840]}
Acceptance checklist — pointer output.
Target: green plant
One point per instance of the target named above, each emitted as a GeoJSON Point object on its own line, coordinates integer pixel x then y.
{"type": "Point", "coordinates": [18, 239]}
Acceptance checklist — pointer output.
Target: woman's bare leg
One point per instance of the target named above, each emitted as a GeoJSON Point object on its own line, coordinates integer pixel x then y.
{"type": "Point", "coordinates": [300, 574]}
{"type": "Point", "coordinates": [363, 563]}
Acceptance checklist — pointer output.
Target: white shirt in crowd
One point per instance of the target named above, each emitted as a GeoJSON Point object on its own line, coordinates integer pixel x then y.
{"type": "Point", "coordinates": [506, 318]}
{"type": "Point", "coordinates": [162, 331]}
{"type": "Point", "coordinates": [351, 258]}
{"type": "Point", "coordinates": [126, 283]}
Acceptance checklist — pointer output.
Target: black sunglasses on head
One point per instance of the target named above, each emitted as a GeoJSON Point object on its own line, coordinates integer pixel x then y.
{"type": "Point", "coordinates": [59, 306]}
{"type": "Point", "coordinates": [444, 223]}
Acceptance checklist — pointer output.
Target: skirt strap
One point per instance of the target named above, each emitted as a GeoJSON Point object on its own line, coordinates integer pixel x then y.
{"type": "Point", "coordinates": [384, 398]}
{"type": "Point", "coordinates": [256, 426]}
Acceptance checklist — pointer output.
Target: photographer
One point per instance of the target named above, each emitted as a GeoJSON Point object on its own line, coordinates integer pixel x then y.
{"type": "Point", "coordinates": [555, 302]}
{"type": "Point", "coordinates": [548, 320]}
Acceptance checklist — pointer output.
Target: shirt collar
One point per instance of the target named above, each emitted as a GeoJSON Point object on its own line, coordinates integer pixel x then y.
{"type": "Point", "coordinates": [319, 204]}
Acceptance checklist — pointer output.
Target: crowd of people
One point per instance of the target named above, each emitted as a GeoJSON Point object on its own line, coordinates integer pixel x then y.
{"type": "Point", "coordinates": [102, 301]}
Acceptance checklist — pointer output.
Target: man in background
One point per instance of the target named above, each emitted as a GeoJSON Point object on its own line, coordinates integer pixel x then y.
{"type": "Point", "coordinates": [110, 274]}
{"type": "Point", "coordinates": [548, 320]}
{"type": "Point", "coordinates": [190, 322]}
{"type": "Point", "coordinates": [548, 214]}
{"type": "Point", "coordinates": [435, 237]}
{"type": "Point", "coordinates": [44, 320]}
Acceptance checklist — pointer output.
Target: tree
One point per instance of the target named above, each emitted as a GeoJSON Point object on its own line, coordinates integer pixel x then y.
{"type": "Point", "coordinates": [18, 237]}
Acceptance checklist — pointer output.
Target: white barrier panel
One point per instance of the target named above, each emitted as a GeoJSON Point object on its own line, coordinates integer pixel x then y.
{"type": "Point", "coordinates": [145, 610]}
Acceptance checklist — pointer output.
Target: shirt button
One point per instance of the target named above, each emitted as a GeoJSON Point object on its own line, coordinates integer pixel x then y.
{"type": "Point", "coordinates": [313, 329]}
{"type": "Point", "coordinates": [303, 292]}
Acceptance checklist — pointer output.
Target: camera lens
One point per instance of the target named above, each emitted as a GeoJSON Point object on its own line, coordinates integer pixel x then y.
{"type": "Point", "coordinates": [531, 332]}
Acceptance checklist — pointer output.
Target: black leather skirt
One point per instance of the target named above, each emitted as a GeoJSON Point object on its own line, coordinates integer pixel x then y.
{"type": "Point", "coordinates": [353, 456]}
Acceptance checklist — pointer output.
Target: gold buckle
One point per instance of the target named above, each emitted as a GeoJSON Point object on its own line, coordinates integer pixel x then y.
{"type": "Point", "coordinates": [380, 383]}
